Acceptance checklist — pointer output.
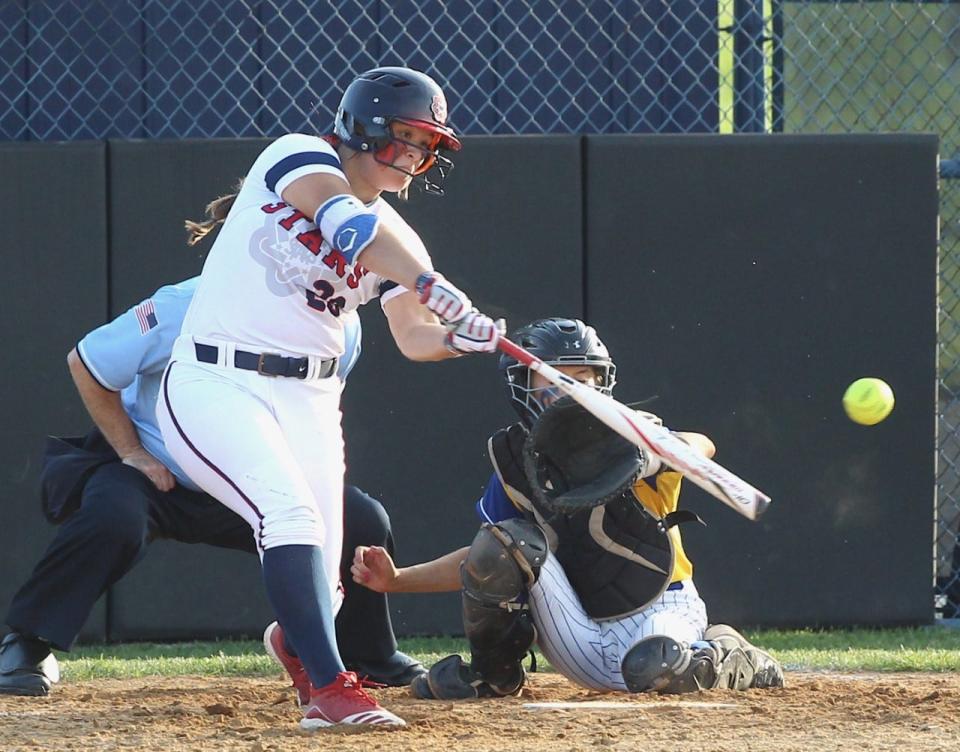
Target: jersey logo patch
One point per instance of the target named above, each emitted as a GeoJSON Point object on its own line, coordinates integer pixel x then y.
{"type": "Point", "coordinates": [146, 316]}
{"type": "Point", "coordinates": [287, 262]}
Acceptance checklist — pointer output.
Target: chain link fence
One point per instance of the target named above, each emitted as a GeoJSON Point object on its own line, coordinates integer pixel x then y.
{"type": "Point", "coordinates": [96, 69]}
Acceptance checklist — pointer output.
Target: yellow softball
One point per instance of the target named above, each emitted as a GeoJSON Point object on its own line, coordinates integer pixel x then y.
{"type": "Point", "coordinates": [868, 401]}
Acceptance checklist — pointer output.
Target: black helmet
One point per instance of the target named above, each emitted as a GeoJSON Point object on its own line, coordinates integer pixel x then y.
{"type": "Point", "coordinates": [382, 96]}
{"type": "Point", "coordinates": [557, 342]}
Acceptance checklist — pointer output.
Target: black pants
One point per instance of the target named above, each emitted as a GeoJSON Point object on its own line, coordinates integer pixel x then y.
{"type": "Point", "coordinates": [121, 512]}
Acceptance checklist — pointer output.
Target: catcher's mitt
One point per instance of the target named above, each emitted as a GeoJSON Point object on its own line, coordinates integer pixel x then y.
{"type": "Point", "coordinates": [573, 461]}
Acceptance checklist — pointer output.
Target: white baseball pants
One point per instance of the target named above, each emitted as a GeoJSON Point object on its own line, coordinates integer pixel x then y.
{"type": "Point", "coordinates": [270, 449]}
{"type": "Point", "coordinates": [588, 652]}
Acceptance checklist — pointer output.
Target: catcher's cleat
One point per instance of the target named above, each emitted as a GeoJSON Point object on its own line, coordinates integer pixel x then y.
{"type": "Point", "coordinates": [735, 670]}
{"type": "Point", "coordinates": [397, 671]}
{"type": "Point", "coordinates": [767, 671]}
{"type": "Point", "coordinates": [273, 642]}
{"type": "Point", "coordinates": [343, 701]}
{"type": "Point", "coordinates": [452, 679]}
{"type": "Point", "coordinates": [27, 667]}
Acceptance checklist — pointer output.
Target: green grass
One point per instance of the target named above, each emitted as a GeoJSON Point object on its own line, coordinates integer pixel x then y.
{"type": "Point", "coordinates": [918, 649]}
{"type": "Point", "coordinates": [222, 658]}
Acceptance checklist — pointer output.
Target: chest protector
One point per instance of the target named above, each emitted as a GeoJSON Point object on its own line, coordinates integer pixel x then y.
{"type": "Point", "coordinates": [618, 557]}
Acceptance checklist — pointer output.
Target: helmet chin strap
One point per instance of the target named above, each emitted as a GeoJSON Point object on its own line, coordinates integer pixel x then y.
{"type": "Point", "coordinates": [421, 179]}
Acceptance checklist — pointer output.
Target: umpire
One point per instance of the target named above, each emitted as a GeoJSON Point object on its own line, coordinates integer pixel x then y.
{"type": "Point", "coordinates": [117, 489]}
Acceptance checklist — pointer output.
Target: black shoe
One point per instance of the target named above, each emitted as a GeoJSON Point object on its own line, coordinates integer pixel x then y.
{"type": "Point", "coordinates": [27, 667]}
{"type": "Point", "coordinates": [452, 679]}
{"type": "Point", "coordinates": [397, 671]}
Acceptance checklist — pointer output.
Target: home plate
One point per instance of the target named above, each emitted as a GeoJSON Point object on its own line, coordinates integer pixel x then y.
{"type": "Point", "coordinates": [635, 706]}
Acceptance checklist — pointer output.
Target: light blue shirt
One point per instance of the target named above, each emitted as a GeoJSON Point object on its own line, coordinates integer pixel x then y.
{"type": "Point", "coordinates": [129, 354]}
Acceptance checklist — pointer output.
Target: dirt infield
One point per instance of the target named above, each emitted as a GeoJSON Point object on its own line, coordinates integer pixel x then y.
{"type": "Point", "coordinates": [814, 712]}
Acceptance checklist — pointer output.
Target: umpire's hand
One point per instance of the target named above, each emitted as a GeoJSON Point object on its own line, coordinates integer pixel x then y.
{"type": "Point", "coordinates": [150, 466]}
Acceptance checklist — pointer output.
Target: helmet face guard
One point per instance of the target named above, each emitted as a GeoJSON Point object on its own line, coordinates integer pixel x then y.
{"type": "Point", "coordinates": [434, 165]}
{"type": "Point", "coordinates": [382, 97]}
{"type": "Point", "coordinates": [557, 342]}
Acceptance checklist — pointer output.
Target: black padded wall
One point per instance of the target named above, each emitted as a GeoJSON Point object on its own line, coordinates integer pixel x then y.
{"type": "Point", "coordinates": [154, 187]}
{"type": "Point", "coordinates": [747, 281]}
{"type": "Point", "coordinates": [55, 289]}
{"type": "Point", "coordinates": [744, 280]}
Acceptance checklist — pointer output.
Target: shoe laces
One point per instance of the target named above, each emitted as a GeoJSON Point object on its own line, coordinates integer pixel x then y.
{"type": "Point", "coordinates": [298, 674]}
{"type": "Point", "coordinates": [367, 683]}
{"type": "Point", "coordinates": [349, 685]}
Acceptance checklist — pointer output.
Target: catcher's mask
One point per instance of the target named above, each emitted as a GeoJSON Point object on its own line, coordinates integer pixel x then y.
{"type": "Point", "coordinates": [557, 342]}
{"type": "Point", "coordinates": [377, 102]}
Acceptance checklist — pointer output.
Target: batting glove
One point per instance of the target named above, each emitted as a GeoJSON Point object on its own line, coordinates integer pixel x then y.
{"type": "Point", "coordinates": [441, 297]}
{"type": "Point", "coordinates": [475, 333]}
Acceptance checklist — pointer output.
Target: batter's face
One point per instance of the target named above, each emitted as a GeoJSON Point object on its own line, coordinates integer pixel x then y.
{"type": "Point", "coordinates": [546, 394]}
{"type": "Point", "coordinates": [410, 152]}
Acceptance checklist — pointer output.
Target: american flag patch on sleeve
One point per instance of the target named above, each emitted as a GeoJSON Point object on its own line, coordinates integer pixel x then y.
{"type": "Point", "coordinates": [146, 316]}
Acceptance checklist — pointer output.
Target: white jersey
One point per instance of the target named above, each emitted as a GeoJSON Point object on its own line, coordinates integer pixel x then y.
{"type": "Point", "coordinates": [271, 281]}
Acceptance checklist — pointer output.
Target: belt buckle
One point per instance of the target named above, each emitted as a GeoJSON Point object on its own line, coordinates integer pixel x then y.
{"type": "Point", "coordinates": [261, 364]}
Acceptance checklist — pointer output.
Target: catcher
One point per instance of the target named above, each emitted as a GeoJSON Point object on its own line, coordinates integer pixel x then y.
{"type": "Point", "coordinates": [579, 550]}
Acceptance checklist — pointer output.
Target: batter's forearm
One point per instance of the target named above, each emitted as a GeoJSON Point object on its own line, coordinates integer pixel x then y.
{"type": "Point", "coordinates": [390, 258]}
{"type": "Point", "coordinates": [438, 576]}
{"type": "Point", "coordinates": [426, 342]}
{"type": "Point", "coordinates": [418, 333]}
{"type": "Point", "coordinates": [105, 408]}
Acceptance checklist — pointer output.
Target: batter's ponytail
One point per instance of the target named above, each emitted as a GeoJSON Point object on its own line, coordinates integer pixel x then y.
{"type": "Point", "coordinates": [216, 212]}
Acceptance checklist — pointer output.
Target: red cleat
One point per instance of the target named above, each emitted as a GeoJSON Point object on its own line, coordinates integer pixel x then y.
{"type": "Point", "coordinates": [273, 642]}
{"type": "Point", "coordinates": [343, 701]}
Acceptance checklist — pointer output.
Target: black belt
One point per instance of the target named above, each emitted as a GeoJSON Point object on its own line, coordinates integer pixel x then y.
{"type": "Point", "coordinates": [267, 364]}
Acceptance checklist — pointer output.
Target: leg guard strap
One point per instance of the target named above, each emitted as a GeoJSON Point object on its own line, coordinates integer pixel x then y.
{"type": "Point", "coordinates": [499, 640]}
{"type": "Point", "coordinates": [661, 664]}
{"type": "Point", "coordinates": [503, 561]}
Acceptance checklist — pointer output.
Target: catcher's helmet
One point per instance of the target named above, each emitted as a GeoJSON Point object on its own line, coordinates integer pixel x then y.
{"type": "Point", "coordinates": [557, 342]}
{"type": "Point", "coordinates": [382, 96]}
